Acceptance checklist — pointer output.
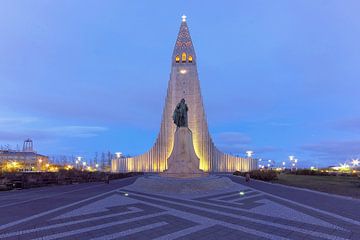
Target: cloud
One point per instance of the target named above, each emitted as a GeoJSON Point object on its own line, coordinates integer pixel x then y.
{"type": "Point", "coordinates": [232, 138]}
{"type": "Point", "coordinates": [266, 149]}
{"type": "Point", "coordinates": [15, 136]}
{"type": "Point", "coordinates": [15, 121]}
{"type": "Point", "coordinates": [334, 150]}
{"type": "Point", "coordinates": [22, 133]}
{"type": "Point", "coordinates": [19, 128]}
{"type": "Point", "coordinates": [350, 125]}
{"type": "Point", "coordinates": [239, 143]}
{"type": "Point", "coordinates": [76, 131]}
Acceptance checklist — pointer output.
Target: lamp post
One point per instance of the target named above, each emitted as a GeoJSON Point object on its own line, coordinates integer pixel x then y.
{"type": "Point", "coordinates": [293, 162]}
{"type": "Point", "coordinates": [249, 153]}
{"type": "Point", "coordinates": [83, 165]}
{"type": "Point", "coordinates": [355, 162]}
{"type": "Point", "coordinates": [118, 155]}
{"type": "Point", "coordinates": [77, 161]}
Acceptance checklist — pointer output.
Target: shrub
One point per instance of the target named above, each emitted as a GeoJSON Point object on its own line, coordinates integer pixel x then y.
{"type": "Point", "coordinates": [38, 179]}
{"type": "Point", "coordinates": [263, 175]}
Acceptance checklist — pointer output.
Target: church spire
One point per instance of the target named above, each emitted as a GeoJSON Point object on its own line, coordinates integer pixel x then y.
{"type": "Point", "coordinates": [184, 50]}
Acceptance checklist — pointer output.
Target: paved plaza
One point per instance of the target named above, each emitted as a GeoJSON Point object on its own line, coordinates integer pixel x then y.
{"type": "Point", "coordinates": [117, 211]}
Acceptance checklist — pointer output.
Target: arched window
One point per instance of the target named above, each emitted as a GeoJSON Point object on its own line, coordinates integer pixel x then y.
{"type": "Point", "coordinates": [190, 59]}
{"type": "Point", "coordinates": [183, 57]}
{"type": "Point", "coordinates": [177, 59]}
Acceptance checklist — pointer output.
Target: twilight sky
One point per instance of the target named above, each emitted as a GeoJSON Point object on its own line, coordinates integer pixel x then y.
{"type": "Point", "coordinates": [278, 77]}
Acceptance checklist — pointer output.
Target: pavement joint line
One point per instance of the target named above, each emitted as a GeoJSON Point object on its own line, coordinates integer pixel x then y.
{"type": "Point", "coordinates": [4, 226]}
{"type": "Point", "coordinates": [22, 232]}
{"type": "Point", "coordinates": [299, 188]}
{"type": "Point", "coordinates": [9, 194]}
{"type": "Point", "coordinates": [130, 231]}
{"type": "Point", "coordinates": [97, 227]}
{"type": "Point", "coordinates": [183, 232]}
{"type": "Point", "coordinates": [300, 230]}
{"type": "Point", "coordinates": [309, 207]}
{"type": "Point", "coordinates": [204, 222]}
{"type": "Point", "coordinates": [244, 210]}
{"type": "Point", "coordinates": [49, 196]}
{"type": "Point", "coordinates": [236, 199]}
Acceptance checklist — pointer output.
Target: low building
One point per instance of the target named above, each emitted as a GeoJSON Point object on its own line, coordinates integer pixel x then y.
{"type": "Point", "coordinates": [25, 160]}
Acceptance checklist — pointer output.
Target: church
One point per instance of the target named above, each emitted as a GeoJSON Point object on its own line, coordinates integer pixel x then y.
{"type": "Point", "coordinates": [184, 83]}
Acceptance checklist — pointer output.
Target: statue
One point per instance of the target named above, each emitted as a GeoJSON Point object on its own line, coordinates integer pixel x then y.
{"type": "Point", "coordinates": [183, 161]}
{"type": "Point", "coordinates": [180, 114]}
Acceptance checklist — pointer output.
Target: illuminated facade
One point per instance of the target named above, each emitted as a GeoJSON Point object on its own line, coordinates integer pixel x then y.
{"type": "Point", "coordinates": [184, 83]}
{"type": "Point", "coordinates": [25, 160]}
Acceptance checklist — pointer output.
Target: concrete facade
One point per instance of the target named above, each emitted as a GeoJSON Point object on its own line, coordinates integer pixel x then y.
{"type": "Point", "coordinates": [184, 83]}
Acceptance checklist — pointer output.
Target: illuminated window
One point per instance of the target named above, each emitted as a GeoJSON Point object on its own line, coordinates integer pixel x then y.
{"type": "Point", "coordinates": [177, 58]}
{"type": "Point", "coordinates": [190, 59]}
{"type": "Point", "coordinates": [183, 57]}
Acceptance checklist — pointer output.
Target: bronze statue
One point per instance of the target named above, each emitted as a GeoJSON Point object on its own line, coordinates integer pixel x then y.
{"type": "Point", "coordinates": [180, 114]}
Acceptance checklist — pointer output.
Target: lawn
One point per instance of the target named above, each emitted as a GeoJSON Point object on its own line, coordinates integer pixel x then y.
{"type": "Point", "coordinates": [341, 185]}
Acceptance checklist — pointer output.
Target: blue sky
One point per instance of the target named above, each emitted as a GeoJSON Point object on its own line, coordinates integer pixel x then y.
{"type": "Point", "coordinates": [278, 77]}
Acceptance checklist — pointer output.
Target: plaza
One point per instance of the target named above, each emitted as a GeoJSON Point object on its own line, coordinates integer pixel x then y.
{"type": "Point", "coordinates": [254, 210]}
{"type": "Point", "coordinates": [131, 152]}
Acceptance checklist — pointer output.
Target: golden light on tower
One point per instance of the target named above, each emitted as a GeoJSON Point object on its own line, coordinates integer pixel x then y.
{"type": "Point", "coordinates": [183, 17]}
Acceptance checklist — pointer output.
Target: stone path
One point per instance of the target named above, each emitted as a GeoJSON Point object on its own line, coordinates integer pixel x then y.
{"type": "Point", "coordinates": [115, 211]}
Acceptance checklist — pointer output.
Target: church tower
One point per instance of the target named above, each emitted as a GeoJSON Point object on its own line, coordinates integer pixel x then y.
{"type": "Point", "coordinates": [184, 83]}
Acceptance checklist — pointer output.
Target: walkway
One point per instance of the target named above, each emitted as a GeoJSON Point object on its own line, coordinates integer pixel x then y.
{"type": "Point", "coordinates": [101, 211]}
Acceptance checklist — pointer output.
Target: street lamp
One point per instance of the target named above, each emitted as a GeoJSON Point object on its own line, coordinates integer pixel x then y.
{"type": "Point", "coordinates": [355, 162]}
{"type": "Point", "coordinates": [77, 161]}
{"type": "Point", "coordinates": [249, 153]}
{"type": "Point", "coordinates": [118, 154]}
{"type": "Point", "coordinates": [293, 161]}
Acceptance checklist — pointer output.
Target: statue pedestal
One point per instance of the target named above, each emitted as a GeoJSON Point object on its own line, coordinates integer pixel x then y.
{"type": "Point", "coordinates": [183, 162]}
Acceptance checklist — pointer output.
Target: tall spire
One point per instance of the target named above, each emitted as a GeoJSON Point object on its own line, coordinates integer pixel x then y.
{"type": "Point", "coordinates": [184, 83]}
{"type": "Point", "coordinates": [184, 45]}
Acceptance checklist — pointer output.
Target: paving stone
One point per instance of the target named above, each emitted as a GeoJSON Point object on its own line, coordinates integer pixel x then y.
{"type": "Point", "coordinates": [222, 215]}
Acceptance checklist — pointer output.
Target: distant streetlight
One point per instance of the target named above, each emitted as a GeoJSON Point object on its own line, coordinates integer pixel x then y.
{"type": "Point", "coordinates": [118, 154]}
{"type": "Point", "coordinates": [293, 161]}
{"type": "Point", "coordinates": [249, 153]}
{"type": "Point", "coordinates": [355, 162]}
{"type": "Point", "coordinates": [283, 163]}
{"type": "Point", "coordinates": [84, 163]}
{"type": "Point", "coordinates": [78, 160]}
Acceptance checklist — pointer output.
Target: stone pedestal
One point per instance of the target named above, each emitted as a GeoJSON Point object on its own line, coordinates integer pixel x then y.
{"type": "Point", "coordinates": [183, 162]}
